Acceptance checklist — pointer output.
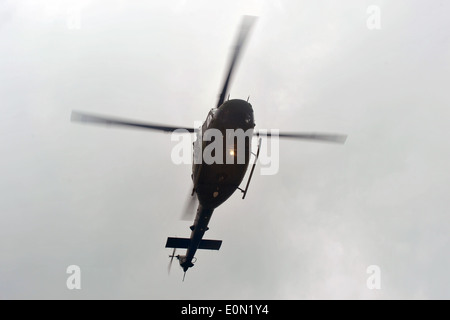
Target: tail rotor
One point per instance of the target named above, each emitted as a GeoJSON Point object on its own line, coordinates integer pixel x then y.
{"type": "Point", "coordinates": [171, 260]}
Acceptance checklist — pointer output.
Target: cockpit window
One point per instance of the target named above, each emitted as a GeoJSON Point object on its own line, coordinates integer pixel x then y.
{"type": "Point", "coordinates": [208, 119]}
{"type": "Point", "coordinates": [211, 114]}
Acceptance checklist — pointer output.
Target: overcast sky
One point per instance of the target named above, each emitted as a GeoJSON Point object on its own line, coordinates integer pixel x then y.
{"type": "Point", "coordinates": [107, 199]}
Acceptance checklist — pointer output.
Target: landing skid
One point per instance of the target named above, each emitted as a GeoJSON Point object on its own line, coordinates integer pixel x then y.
{"type": "Point", "coordinates": [253, 168]}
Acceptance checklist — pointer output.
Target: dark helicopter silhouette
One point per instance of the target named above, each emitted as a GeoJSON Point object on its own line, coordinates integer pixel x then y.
{"type": "Point", "coordinates": [214, 182]}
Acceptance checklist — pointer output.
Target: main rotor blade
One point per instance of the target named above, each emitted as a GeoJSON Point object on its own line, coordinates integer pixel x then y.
{"type": "Point", "coordinates": [99, 119]}
{"type": "Point", "coordinates": [335, 138]}
{"type": "Point", "coordinates": [247, 23]}
{"type": "Point", "coordinates": [171, 260]}
{"type": "Point", "coordinates": [189, 209]}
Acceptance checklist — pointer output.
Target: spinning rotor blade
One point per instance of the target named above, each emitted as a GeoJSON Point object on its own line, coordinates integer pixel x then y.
{"type": "Point", "coordinates": [246, 25]}
{"type": "Point", "coordinates": [335, 138]}
{"type": "Point", "coordinates": [189, 209]}
{"type": "Point", "coordinates": [98, 119]}
{"type": "Point", "coordinates": [171, 260]}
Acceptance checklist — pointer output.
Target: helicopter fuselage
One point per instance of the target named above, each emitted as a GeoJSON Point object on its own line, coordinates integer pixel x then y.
{"type": "Point", "coordinates": [215, 181]}
{"type": "Point", "coordinates": [217, 178]}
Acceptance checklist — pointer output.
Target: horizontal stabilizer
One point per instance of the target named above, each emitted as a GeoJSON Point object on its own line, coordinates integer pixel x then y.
{"type": "Point", "coordinates": [183, 243]}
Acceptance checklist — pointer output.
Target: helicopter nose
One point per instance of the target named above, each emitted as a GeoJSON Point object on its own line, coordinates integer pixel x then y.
{"type": "Point", "coordinates": [239, 112]}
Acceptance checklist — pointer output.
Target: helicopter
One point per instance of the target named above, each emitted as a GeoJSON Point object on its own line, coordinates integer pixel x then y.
{"type": "Point", "coordinates": [214, 181]}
